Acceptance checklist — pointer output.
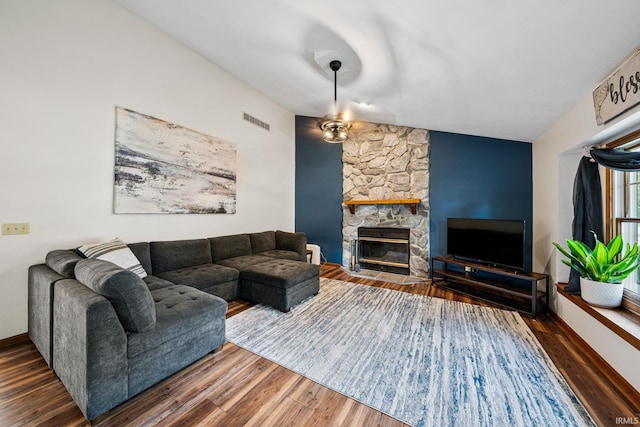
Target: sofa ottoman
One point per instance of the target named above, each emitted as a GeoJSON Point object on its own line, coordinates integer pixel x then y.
{"type": "Point", "coordinates": [280, 283]}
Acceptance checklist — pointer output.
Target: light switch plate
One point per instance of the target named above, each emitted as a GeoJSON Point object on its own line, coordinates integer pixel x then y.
{"type": "Point", "coordinates": [15, 228]}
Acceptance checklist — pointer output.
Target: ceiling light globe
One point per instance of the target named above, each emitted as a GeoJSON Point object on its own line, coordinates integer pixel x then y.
{"type": "Point", "coordinates": [342, 133]}
{"type": "Point", "coordinates": [327, 134]}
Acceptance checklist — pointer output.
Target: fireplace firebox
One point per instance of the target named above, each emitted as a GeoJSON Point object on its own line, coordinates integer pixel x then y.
{"type": "Point", "coordinates": [384, 249]}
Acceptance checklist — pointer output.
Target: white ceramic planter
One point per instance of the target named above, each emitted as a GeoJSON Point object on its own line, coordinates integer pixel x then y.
{"type": "Point", "coordinates": [599, 294]}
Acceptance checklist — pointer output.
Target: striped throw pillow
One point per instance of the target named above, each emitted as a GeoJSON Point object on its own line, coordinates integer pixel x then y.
{"type": "Point", "coordinates": [117, 252]}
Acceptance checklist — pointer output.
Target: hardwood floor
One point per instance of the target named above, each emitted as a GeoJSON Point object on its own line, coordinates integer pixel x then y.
{"type": "Point", "coordinates": [234, 387]}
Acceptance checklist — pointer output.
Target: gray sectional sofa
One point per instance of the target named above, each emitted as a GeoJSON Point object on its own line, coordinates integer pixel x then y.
{"type": "Point", "coordinates": [109, 333]}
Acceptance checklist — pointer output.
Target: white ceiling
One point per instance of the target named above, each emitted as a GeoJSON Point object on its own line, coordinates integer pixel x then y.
{"type": "Point", "coordinates": [498, 68]}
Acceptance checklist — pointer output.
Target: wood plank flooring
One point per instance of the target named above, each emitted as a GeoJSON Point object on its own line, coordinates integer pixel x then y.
{"type": "Point", "coordinates": [234, 387]}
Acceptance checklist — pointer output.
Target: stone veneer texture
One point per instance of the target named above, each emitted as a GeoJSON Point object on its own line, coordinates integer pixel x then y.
{"type": "Point", "coordinates": [382, 162]}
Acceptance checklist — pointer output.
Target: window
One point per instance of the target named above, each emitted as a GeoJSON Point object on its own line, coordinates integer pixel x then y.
{"type": "Point", "coordinates": [623, 207]}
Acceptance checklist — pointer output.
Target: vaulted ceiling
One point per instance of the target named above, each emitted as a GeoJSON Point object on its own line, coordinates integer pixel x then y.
{"type": "Point", "coordinates": [498, 68]}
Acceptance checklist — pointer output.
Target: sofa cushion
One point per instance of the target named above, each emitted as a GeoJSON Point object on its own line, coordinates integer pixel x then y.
{"type": "Point", "coordinates": [142, 251]}
{"type": "Point", "coordinates": [280, 254]}
{"type": "Point", "coordinates": [265, 241]}
{"type": "Point", "coordinates": [177, 254]}
{"type": "Point", "coordinates": [126, 291]}
{"type": "Point", "coordinates": [202, 276]}
{"type": "Point", "coordinates": [242, 262]}
{"type": "Point", "coordinates": [224, 247]}
{"type": "Point", "coordinates": [114, 251]}
{"type": "Point", "coordinates": [63, 261]}
{"type": "Point", "coordinates": [155, 282]}
{"type": "Point", "coordinates": [294, 242]}
{"type": "Point", "coordinates": [179, 309]}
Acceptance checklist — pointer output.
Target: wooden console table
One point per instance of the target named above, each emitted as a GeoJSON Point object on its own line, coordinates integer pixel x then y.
{"type": "Point", "coordinates": [413, 203]}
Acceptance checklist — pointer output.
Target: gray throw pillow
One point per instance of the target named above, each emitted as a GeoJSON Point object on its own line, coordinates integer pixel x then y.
{"type": "Point", "coordinates": [126, 291]}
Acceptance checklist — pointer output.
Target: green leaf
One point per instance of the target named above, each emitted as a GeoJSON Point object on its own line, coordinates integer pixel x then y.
{"type": "Point", "coordinates": [625, 264]}
{"type": "Point", "coordinates": [562, 250]}
{"type": "Point", "coordinates": [578, 267]}
{"type": "Point", "coordinates": [592, 266]}
{"type": "Point", "coordinates": [621, 275]}
{"type": "Point", "coordinates": [569, 255]}
{"type": "Point", "coordinates": [579, 249]}
{"type": "Point", "coordinates": [615, 247]}
{"type": "Point", "coordinates": [601, 253]}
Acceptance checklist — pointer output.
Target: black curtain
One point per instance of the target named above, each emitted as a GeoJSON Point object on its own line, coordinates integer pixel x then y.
{"type": "Point", "coordinates": [625, 161]}
{"type": "Point", "coordinates": [587, 212]}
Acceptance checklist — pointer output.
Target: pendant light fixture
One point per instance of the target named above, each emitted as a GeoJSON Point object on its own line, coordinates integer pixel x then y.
{"type": "Point", "coordinates": [334, 128]}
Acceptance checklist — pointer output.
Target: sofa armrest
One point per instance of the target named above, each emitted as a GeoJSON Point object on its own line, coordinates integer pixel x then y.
{"type": "Point", "coordinates": [295, 242]}
{"type": "Point", "coordinates": [90, 348]}
{"type": "Point", "coordinates": [41, 280]}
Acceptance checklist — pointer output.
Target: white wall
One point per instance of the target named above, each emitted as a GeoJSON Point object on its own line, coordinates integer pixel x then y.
{"type": "Point", "coordinates": [556, 154]}
{"type": "Point", "coordinates": [64, 66]}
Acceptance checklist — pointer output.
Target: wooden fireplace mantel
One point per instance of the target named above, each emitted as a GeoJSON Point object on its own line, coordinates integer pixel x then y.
{"type": "Point", "coordinates": [413, 203]}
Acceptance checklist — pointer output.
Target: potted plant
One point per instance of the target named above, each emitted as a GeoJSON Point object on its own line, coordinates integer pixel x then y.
{"type": "Point", "coordinates": [601, 269]}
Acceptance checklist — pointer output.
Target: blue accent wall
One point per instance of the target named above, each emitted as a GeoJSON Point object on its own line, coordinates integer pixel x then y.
{"type": "Point", "coordinates": [476, 177]}
{"type": "Point", "coordinates": [470, 177]}
{"type": "Point", "coordinates": [318, 189]}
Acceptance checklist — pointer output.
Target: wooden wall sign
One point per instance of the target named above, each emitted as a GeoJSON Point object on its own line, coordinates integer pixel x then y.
{"type": "Point", "coordinates": [620, 91]}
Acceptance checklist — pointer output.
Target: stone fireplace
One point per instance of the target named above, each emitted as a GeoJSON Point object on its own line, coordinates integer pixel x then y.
{"type": "Point", "coordinates": [384, 162]}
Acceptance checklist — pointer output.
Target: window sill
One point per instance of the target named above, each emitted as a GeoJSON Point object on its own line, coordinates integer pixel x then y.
{"type": "Point", "coordinates": [620, 321]}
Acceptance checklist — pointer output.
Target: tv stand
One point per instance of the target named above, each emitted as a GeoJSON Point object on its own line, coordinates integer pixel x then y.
{"type": "Point", "coordinates": [505, 287]}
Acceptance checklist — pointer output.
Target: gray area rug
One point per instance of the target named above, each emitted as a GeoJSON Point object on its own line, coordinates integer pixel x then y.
{"type": "Point", "coordinates": [425, 361]}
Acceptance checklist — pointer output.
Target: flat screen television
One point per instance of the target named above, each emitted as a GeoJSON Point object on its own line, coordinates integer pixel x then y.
{"type": "Point", "coordinates": [495, 242]}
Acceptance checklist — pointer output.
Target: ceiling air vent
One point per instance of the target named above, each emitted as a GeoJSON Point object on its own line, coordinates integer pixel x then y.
{"type": "Point", "coordinates": [256, 122]}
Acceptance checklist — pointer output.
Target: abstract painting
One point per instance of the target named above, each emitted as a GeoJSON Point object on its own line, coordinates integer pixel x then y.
{"type": "Point", "coordinates": [161, 167]}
